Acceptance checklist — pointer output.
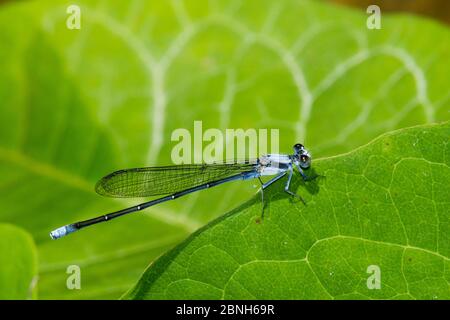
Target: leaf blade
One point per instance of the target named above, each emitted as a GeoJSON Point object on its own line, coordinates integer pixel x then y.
{"type": "Point", "coordinates": [273, 260]}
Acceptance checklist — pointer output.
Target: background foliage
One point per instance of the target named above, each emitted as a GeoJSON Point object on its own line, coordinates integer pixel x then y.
{"type": "Point", "coordinates": [77, 104]}
{"type": "Point", "coordinates": [19, 264]}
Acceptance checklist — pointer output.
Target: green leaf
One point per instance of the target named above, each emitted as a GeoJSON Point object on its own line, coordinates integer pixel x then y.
{"type": "Point", "coordinates": [385, 204]}
{"type": "Point", "coordinates": [78, 104]}
{"type": "Point", "coordinates": [19, 267]}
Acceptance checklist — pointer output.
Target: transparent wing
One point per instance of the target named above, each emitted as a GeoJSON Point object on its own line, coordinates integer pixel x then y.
{"type": "Point", "coordinates": [152, 181]}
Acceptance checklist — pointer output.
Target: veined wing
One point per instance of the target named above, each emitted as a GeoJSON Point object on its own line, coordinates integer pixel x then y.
{"type": "Point", "coordinates": [152, 181]}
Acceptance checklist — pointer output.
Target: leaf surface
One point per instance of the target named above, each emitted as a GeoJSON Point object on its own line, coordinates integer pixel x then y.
{"type": "Point", "coordinates": [384, 205]}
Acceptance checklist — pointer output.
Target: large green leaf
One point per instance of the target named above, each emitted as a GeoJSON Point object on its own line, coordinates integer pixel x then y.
{"type": "Point", "coordinates": [385, 204]}
{"type": "Point", "coordinates": [77, 104]}
{"type": "Point", "coordinates": [19, 265]}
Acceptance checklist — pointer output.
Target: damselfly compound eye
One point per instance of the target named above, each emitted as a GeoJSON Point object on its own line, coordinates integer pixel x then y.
{"type": "Point", "coordinates": [305, 161]}
{"type": "Point", "coordinates": [298, 148]}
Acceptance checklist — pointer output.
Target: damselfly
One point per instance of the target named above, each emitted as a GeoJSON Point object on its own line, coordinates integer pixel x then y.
{"type": "Point", "coordinates": [179, 180]}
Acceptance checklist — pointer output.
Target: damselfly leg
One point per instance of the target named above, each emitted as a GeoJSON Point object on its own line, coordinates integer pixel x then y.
{"type": "Point", "coordinates": [265, 185]}
{"type": "Point", "coordinates": [288, 184]}
{"type": "Point", "coordinates": [305, 178]}
{"type": "Point", "coordinates": [262, 197]}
